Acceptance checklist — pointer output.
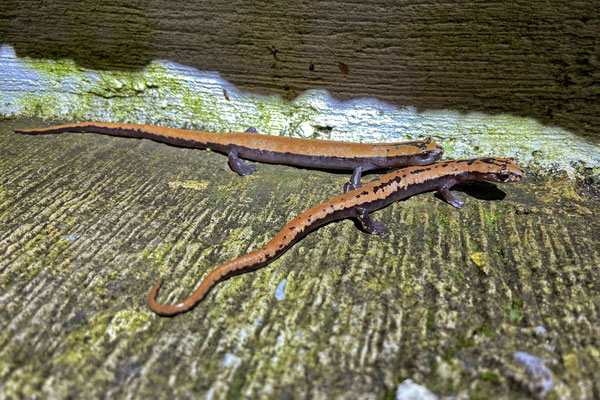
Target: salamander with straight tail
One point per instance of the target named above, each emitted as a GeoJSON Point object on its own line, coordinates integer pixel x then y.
{"type": "Point", "coordinates": [250, 145]}
{"type": "Point", "coordinates": [358, 202]}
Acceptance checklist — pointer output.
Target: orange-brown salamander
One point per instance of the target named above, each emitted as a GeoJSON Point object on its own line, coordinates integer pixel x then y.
{"type": "Point", "coordinates": [356, 203]}
{"type": "Point", "coordinates": [250, 145]}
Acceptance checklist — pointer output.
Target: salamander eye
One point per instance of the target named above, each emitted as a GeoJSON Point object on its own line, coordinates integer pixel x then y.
{"type": "Point", "coordinates": [503, 175]}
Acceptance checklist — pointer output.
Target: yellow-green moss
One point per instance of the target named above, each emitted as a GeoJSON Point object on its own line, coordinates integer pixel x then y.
{"type": "Point", "coordinates": [189, 184]}
{"type": "Point", "coordinates": [54, 69]}
{"type": "Point", "coordinates": [480, 261]}
{"type": "Point", "coordinates": [87, 344]}
{"type": "Point", "coordinates": [490, 216]}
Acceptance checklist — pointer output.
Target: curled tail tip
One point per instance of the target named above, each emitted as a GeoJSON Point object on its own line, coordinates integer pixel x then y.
{"type": "Point", "coordinates": [154, 306]}
{"type": "Point", "coordinates": [160, 309]}
{"type": "Point", "coordinates": [154, 291]}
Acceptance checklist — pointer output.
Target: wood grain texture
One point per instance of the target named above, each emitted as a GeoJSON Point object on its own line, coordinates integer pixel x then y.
{"type": "Point", "coordinates": [88, 223]}
{"type": "Point", "coordinates": [533, 59]}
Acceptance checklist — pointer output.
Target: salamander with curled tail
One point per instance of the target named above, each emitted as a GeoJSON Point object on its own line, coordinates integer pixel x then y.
{"type": "Point", "coordinates": [358, 202]}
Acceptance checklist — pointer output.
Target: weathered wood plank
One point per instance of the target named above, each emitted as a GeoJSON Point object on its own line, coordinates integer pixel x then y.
{"type": "Point", "coordinates": [88, 223]}
{"type": "Point", "coordinates": [531, 59]}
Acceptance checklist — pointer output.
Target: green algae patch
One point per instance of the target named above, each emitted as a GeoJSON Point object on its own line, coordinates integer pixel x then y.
{"type": "Point", "coordinates": [7, 198]}
{"type": "Point", "coordinates": [487, 331]}
{"type": "Point", "coordinates": [490, 216]}
{"type": "Point", "coordinates": [514, 313]}
{"type": "Point", "coordinates": [127, 322]}
{"type": "Point", "coordinates": [55, 69]}
{"type": "Point", "coordinates": [120, 84]}
{"type": "Point", "coordinates": [50, 106]}
{"type": "Point", "coordinates": [166, 256]}
{"type": "Point", "coordinates": [54, 246]}
{"type": "Point", "coordinates": [444, 220]}
{"type": "Point", "coordinates": [491, 377]}
{"type": "Point", "coordinates": [87, 346]}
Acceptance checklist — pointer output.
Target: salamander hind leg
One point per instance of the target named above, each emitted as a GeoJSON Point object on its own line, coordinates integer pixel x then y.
{"type": "Point", "coordinates": [451, 198]}
{"type": "Point", "coordinates": [238, 165]}
{"type": "Point", "coordinates": [369, 224]}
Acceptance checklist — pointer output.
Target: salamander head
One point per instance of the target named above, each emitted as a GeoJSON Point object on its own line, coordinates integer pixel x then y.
{"type": "Point", "coordinates": [431, 152]}
{"type": "Point", "coordinates": [497, 169]}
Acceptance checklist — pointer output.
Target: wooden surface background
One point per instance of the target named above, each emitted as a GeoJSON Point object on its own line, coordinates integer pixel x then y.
{"type": "Point", "coordinates": [526, 58]}
{"type": "Point", "coordinates": [88, 223]}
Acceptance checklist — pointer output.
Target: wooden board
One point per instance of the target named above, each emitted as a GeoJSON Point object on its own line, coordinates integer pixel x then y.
{"type": "Point", "coordinates": [532, 59]}
{"type": "Point", "coordinates": [89, 222]}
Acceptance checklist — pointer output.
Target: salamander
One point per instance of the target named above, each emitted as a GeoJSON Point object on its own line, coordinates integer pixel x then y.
{"type": "Point", "coordinates": [358, 202]}
{"type": "Point", "coordinates": [250, 145]}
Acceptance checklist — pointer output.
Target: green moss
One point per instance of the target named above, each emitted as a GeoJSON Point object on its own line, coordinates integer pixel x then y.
{"type": "Point", "coordinates": [449, 147]}
{"type": "Point", "coordinates": [4, 338]}
{"type": "Point", "coordinates": [480, 261]}
{"type": "Point", "coordinates": [444, 221]}
{"type": "Point", "coordinates": [236, 385]}
{"type": "Point", "coordinates": [55, 70]}
{"type": "Point", "coordinates": [463, 342]}
{"type": "Point", "coordinates": [6, 198]}
{"type": "Point", "coordinates": [87, 346]}
{"type": "Point", "coordinates": [514, 313]}
{"type": "Point", "coordinates": [571, 363]}
{"type": "Point", "coordinates": [429, 244]}
{"type": "Point", "coordinates": [473, 245]}
{"type": "Point", "coordinates": [84, 344]}
{"type": "Point", "coordinates": [490, 377]}
{"type": "Point", "coordinates": [54, 247]}
{"type": "Point", "coordinates": [45, 106]}
{"type": "Point", "coordinates": [430, 322]}
{"type": "Point", "coordinates": [460, 277]}
{"type": "Point", "coordinates": [460, 343]}
{"type": "Point", "coordinates": [189, 184]}
{"type": "Point", "coordinates": [161, 254]}
{"type": "Point", "coordinates": [120, 84]}
{"type": "Point", "coordinates": [127, 322]}
{"type": "Point", "coordinates": [490, 216]}
{"type": "Point", "coordinates": [487, 331]}
{"type": "Point", "coordinates": [390, 394]}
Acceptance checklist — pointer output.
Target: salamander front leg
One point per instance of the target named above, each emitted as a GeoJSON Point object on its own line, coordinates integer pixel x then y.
{"type": "Point", "coordinates": [354, 180]}
{"type": "Point", "coordinates": [451, 198]}
{"type": "Point", "coordinates": [369, 224]}
{"type": "Point", "coordinates": [238, 165]}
